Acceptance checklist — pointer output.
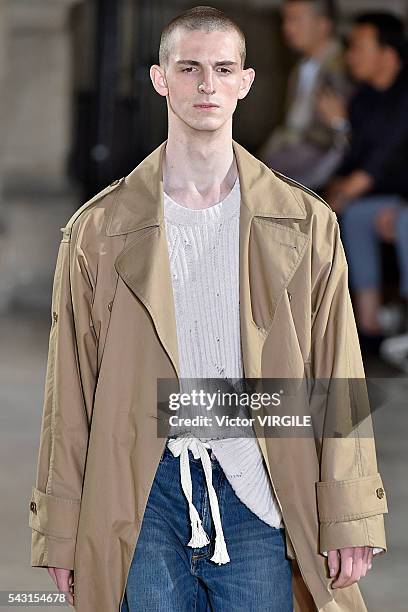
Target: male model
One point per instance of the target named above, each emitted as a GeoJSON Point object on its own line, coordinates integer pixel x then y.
{"type": "Point", "coordinates": [201, 262]}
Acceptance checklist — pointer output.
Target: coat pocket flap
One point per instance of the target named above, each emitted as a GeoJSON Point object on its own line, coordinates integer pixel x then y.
{"type": "Point", "coordinates": [53, 516]}
{"type": "Point", "coordinates": [348, 500]}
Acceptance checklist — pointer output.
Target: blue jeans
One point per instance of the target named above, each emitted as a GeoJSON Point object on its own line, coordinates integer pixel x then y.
{"type": "Point", "coordinates": [166, 575]}
{"type": "Point", "coordinates": [362, 244]}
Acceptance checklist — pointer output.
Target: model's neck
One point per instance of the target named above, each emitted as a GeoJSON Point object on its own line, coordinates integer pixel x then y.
{"type": "Point", "coordinates": [199, 167]}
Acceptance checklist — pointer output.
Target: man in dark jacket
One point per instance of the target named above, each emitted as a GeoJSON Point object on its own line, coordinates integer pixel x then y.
{"type": "Point", "coordinates": [370, 190]}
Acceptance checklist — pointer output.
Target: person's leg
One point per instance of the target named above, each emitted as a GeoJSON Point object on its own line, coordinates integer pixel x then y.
{"type": "Point", "coordinates": [401, 246]}
{"type": "Point", "coordinates": [395, 349]}
{"type": "Point", "coordinates": [258, 577]}
{"type": "Point", "coordinates": [159, 578]}
{"type": "Point", "coordinates": [362, 247]}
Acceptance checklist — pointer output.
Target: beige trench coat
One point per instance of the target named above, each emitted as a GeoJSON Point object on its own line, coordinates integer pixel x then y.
{"type": "Point", "coordinates": [113, 333]}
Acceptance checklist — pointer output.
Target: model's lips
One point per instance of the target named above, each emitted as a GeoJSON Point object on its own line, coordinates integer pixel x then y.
{"type": "Point", "coordinates": [206, 106]}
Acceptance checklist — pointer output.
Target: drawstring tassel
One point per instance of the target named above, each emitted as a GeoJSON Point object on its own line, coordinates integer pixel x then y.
{"type": "Point", "coordinates": [199, 537]}
{"type": "Point", "coordinates": [220, 555]}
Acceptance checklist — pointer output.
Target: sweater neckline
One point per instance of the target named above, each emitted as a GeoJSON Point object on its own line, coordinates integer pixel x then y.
{"type": "Point", "coordinates": [228, 207]}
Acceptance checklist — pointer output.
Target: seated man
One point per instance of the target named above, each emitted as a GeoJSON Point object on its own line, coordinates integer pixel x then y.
{"type": "Point", "coordinates": [373, 175]}
{"type": "Point", "coordinates": [304, 147]}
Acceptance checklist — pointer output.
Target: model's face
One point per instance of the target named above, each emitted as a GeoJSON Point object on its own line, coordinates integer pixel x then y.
{"type": "Point", "coordinates": [302, 27]}
{"type": "Point", "coordinates": [211, 58]}
{"type": "Point", "coordinates": [364, 55]}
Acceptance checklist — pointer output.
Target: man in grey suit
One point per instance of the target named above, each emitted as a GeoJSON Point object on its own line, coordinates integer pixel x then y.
{"type": "Point", "coordinates": [304, 147]}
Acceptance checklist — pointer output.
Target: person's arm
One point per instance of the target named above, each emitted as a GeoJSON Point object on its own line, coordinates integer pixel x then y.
{"type": "Point", "coordinates": [366, 167]}
{"type": "Point", "coordinates": [347, 182]}
{"type": "Point", "coordinates": [394, 140]}
{"type": "Point", "coordinates": [69, 387]}
{"type": "Point", "coordinates": [366, 171]}
{"type": "Point", "coordinates": [352, 115]}
{"type": "Point", "coordinates": [350, 493]}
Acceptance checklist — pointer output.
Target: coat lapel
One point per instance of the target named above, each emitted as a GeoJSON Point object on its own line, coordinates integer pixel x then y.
{"type": "Point", "coordinates": [270, 252]}
{"type": "Point", "coordinates": [144, 267]}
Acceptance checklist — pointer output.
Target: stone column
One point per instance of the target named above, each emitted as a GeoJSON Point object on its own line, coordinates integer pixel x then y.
{"type": "Point", "coordinates": [35, 119]}
{"type": "Point", "coordinates": [38, 92]}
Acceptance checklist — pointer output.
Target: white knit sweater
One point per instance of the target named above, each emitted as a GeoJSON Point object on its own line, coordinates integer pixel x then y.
{"type": "Point", "coordinates": [203, 248]}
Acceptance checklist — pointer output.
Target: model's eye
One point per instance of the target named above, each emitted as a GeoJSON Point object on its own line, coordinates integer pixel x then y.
{"type": "Point", "coordinates": [226, 71]}
{"type": "Point", "coordinates": [189, 69]}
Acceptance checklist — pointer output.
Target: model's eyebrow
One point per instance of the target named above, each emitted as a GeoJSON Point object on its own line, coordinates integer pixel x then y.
{"type": "Point", "coordinates": [195, 63]}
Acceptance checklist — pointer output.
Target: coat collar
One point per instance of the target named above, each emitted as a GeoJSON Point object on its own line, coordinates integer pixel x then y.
{"type": "Point", "coordinates": [139, 201]}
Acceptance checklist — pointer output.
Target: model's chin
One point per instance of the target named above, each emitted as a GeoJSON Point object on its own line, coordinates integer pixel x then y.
{"type": "Point", "coordinates": [207, 126]}
{"type": "Point", "coordinates": [204, 124]}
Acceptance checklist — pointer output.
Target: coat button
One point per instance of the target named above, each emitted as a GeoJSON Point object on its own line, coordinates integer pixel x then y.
{"type": "Point", "coordinates": [110, 306]}
{"type": "Point", "coordinates": [380, 493]}
{"type": "Point", "coordinates": [33, 507]}
{"type": "Point", "coordinates": [55, 316]}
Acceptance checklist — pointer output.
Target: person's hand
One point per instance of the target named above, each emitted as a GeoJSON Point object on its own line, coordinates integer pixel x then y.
{"type": "Point", "coordinates": [344, 189]}
{"type": "Point", "coordinates": [334, 195]}
{"type": "Point", "coordinates": [64, 579]}
{"type": "Point", "coordinates": [356, 184]}
{"type": "Point", "coordinates": [385, 223]}
{"type": "Point", "coordinates": [350, 564]}
{"type": "Point", "coordinates": [338, 203]}
{"type": "Point", "coordinates": [331, 107]}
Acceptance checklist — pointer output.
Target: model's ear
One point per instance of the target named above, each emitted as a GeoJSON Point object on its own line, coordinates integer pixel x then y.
{"type": "Point", "coordinates": [248, 76]}
{"type": "Point", "coordinates": [158, 78]}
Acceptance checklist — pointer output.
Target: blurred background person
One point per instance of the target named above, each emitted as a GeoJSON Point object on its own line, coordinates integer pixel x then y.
{"type": "Point", "coordinates": [306, 148]}
{"type": "Point", "coordinates": [392, 226]}
{"type": "Point", "coordinates": [370, 190]}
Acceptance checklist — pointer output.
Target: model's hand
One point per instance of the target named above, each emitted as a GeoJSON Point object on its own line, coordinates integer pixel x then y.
{"type": "Point", "coordinates": [64, 579]}
{"type": "Point", "coordinates": [350, 564]}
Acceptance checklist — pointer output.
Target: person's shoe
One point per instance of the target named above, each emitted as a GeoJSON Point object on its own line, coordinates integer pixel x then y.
{"type": "Point", "coordinates": [395, 351]}
{"type": "Point", "coordinates": [391, 317]}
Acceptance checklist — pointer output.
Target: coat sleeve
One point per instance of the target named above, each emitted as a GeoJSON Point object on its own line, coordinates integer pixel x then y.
{"type": "Point", "coordinates": [351, 499]}
{"type": "Point", "coordinates": [69, 387]}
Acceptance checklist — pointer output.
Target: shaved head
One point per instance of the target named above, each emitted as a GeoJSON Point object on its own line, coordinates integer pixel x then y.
{"type": "Point", "coordinates": [205, 18]}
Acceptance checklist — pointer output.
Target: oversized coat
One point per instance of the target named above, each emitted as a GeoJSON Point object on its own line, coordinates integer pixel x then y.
{"type": "Point", "coordinates": [113, 334]}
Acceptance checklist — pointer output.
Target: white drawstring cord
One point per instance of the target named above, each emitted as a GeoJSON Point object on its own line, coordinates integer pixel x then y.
{"type": "Point", "coordinates": [179, 447]}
